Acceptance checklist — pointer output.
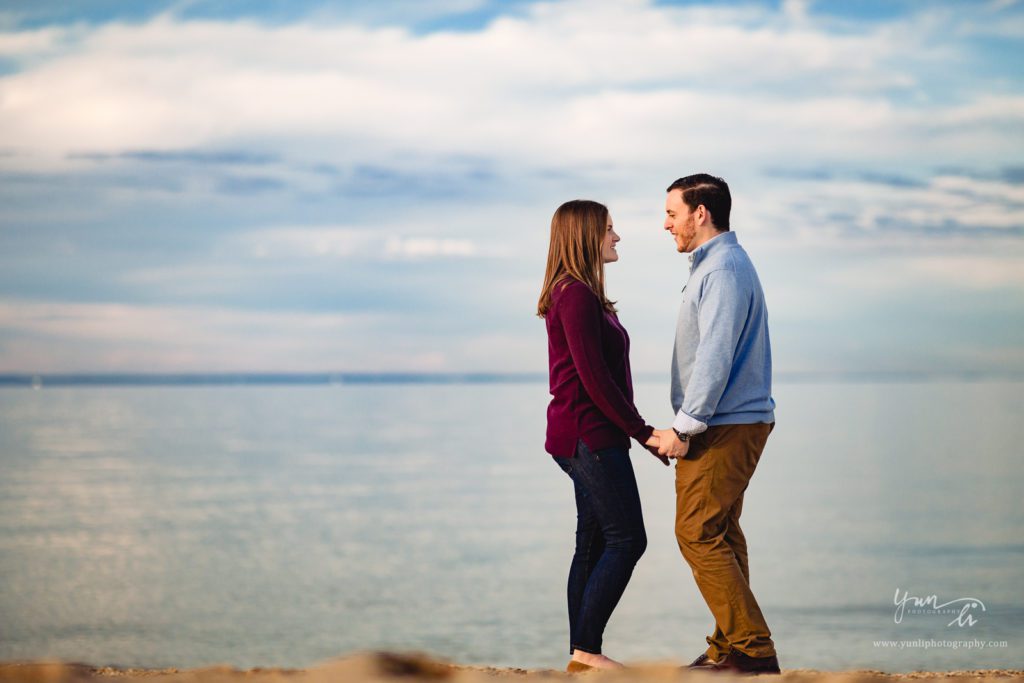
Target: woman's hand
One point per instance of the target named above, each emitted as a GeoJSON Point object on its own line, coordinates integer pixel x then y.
{"type": "Point", "coordinates": [652, 444]}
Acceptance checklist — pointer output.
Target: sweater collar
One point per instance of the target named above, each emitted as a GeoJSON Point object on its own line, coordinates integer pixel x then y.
{"type": "Point", "coordinates": [717, 243]}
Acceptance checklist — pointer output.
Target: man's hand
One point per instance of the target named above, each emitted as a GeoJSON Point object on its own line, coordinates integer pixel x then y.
{"type": "Point", "coordinates": [652, 444]}
{"type": "Point", "coordinates": [670, 445]}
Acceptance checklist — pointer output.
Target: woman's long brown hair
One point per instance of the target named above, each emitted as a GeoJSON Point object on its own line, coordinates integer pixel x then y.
{"type": "Point", "coordinates": [577, 235]}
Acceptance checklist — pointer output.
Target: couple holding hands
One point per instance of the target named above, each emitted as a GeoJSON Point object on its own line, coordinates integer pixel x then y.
{"type": "Point", "coordinates": [724, 412]}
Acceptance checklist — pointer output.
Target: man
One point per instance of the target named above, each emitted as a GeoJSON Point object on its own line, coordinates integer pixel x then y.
{"type": "Point", "coordinates": [721, 392]}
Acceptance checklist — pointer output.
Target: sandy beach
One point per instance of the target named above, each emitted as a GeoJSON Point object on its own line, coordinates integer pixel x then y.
{"type": "Point", "coordinates": [385, 666]}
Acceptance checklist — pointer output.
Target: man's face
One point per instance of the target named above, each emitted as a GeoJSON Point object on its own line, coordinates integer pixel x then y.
{"type": "Point", "coordinates": [679, 221]}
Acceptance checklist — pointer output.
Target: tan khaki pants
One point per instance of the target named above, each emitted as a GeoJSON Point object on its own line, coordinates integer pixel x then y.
{"type": "Point", "coordinates": [710, 482]}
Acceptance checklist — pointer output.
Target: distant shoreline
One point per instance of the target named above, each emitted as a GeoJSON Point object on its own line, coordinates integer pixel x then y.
{"type": "Point", "coordinates": [131, 379]}
{"type": "Point", "coordinates": [259, 378]}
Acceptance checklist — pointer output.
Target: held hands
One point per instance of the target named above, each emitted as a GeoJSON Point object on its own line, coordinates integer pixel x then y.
{"type": "Point", "coordinates": [670, 445]}
{"type": "Point", "coordinates": [652, 444]}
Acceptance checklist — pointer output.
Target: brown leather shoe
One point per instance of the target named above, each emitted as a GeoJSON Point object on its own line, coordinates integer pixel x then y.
{"type": "Point", "coordinates": [738, 663]}
{"type": "Point", "coordinates": [702, 662]}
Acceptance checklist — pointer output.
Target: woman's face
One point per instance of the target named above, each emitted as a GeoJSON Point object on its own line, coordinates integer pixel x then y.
{"type": "Point", "coordinates": [608, 247]}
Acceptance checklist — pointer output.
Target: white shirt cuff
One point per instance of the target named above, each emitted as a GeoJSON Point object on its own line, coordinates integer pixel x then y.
{"type": "Point", "coordinates": [688, 425]}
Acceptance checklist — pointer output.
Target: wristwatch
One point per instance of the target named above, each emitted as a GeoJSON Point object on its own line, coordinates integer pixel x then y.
{"type": "Point", "coordinates": [682, 437]}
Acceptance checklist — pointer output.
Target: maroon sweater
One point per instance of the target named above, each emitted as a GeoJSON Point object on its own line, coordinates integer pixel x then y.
{"type": "Point", "coordinates": [591, 385]}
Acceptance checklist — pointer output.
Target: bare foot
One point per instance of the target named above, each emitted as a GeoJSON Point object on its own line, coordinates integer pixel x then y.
{"type": "Point", "coordinates": [596, 661]}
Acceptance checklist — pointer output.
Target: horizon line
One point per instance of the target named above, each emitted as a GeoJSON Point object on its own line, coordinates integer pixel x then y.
{"type": "Point", "coordinates": [129, 378]}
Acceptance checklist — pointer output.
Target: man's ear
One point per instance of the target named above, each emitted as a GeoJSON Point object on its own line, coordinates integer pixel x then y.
{"type": "Point", "coordinates": [701, 213]}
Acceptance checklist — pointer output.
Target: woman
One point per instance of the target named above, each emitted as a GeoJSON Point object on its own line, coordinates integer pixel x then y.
{"type": "Point", "coordinates": [590, 420]}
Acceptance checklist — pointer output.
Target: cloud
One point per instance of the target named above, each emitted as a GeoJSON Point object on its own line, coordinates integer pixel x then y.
{"type": "Point", "coordinates": [439, 178]}
{"type": "Point", "coordinates": [553, 81]}
{"type": "Point", "coordinates": [929, 213]}
{"type": "Point", "coordinates": [190, 156]}
{"type": "Point", "coordinates": [27, 43]}
{"type": "Point", "coordinates": [975, 272]}
{"type": "Point", "coordinates": [891, 180]}
{"type": "Point", "coordinates": [56, 336]}
{"type": "Point", "coordinates": [1007, 174]}
{"type": "Point", "coordinates": [379, 242]}
{"type": "Point", "coordinates": [246, 185]}
{"type": "Point", "coordinates": [1013, 174]}
{"type": "Point", "coordinates": [62, 336]}
{"type": "Point", "coordinates": [324, 268]}
{"type": "Point", "coordinates": [194, 163]}
{"type": "Point", "coordinates": [306, 241]}
{"type": "Point", "coordinates": [420, 247]}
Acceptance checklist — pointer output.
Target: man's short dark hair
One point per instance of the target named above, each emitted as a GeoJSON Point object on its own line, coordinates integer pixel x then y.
{"type": "Point", "coordinates": [709, 190]}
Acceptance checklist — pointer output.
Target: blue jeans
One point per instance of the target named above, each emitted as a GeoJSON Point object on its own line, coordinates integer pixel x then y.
{"type": "Point", "coordinates": [610, 538]}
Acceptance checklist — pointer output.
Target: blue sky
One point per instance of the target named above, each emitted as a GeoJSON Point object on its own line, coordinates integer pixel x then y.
{"type": "Point", "coordinates": [312, 186]}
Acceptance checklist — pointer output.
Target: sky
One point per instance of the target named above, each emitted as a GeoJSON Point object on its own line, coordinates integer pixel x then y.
{"type": "Point", "coordinates": [228, 186]}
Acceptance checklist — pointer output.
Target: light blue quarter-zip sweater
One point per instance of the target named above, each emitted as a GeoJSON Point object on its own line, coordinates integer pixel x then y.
{"type": "Point", "coordinates": [722, 362]}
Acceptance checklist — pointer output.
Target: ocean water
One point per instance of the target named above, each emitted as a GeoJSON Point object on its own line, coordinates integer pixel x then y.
{"type": "Point", "coordinates": [285, 525]}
